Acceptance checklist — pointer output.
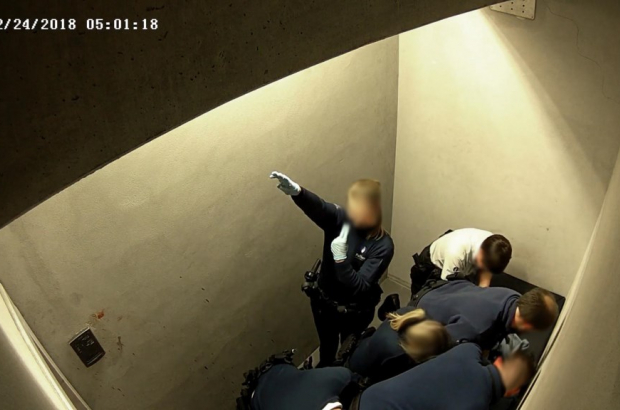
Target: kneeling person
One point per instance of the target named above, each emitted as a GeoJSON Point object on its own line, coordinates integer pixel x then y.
{"type": "Point", "coordinates": [462, 254]}
{"type": "Point", "coordinates": [456, 380]}
{"type": "Point", "coordinates": [407, 338]}
{"type": "Point", "coordinates": [486, 315]}
{"type": "Point", "coordinates": [282, 386]}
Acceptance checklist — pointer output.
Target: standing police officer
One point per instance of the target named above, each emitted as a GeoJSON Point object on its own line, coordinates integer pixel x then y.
{"type": "Point", "coordinates": [356, 253]}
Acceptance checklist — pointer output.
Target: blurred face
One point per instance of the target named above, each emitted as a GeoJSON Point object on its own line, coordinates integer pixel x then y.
{"type": "Point", "coordinates": [426, 339]}
{"type": "Point", "coordinates": [479, 260]}
{"type": "Point", "coordinates": [514, 374]}
{"type": "Point", "coordinates": [363, 214]}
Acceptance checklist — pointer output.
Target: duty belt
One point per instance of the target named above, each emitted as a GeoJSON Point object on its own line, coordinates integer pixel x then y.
{"type": "Point", "coordinates": [340, 307]}
{"type": "Point", "coordinates": [252, 377]}
{"type": "Point", "coordinates": [428, 287]}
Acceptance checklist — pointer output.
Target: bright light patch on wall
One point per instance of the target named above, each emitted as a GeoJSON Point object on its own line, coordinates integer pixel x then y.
{"type": "Point", "coordinates": [520, 8]}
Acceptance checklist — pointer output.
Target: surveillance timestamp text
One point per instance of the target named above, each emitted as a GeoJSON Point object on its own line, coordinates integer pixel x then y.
{"type": "Point", "coordinates": [54, 24]}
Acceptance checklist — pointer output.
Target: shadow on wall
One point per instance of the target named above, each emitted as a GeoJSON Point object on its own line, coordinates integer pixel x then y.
{"type": "Point", "coordinates": [503, 125]}
{"type": "Point", "coordinates": [565, 88]}
{"type": "Point", "coordinates": [183, 256]}
{"type": "Point", "coordinates": [579, 96]}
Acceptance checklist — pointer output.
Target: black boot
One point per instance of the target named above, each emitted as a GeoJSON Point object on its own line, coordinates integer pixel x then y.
{"type": "Point", "coordinates": [390, 305]}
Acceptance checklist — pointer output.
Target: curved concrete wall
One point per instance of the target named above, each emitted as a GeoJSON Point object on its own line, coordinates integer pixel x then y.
{"type": "Point", "coordinates": [184, 257]}
{"type": "Point", "coordinates": [581, 370]}
{"type": "Point", "coordinates": [73, 101]}
{"type": "Point", "coordinates": [22, 384]}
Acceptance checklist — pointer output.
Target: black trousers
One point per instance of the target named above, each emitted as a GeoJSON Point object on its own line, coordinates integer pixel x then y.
{"type": "Point", "coordinates": [334, 327]}
{"type": "Point", "coordinates": [422, 270]}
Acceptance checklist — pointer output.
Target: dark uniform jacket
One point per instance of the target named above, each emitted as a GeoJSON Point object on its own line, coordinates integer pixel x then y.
{"type": "Point", "coordinates": [380, 356]}
{"type": "Point", "coordinates": [284, 387]}
{"type": "Point", "coordinates": [355, 280]}
{"type": "Point", "coordinates": [456, 380]}
{"type": "Point", "coordinates": [472, 313]}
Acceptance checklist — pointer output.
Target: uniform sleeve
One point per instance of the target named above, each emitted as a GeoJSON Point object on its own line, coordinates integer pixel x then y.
{"type": "Point", "coordinates": [370, 272]}
{"type": "Point", "coordinates": [472, 351]}
{"type": "Point", "coordinates": [462, 330]}
{"type": "Point", "coordinates": [325, 214]}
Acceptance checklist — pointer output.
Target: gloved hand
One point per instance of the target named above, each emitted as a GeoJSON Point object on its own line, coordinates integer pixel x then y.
{"type": "Point", "coordinates": [286, 185]}
{"type": "Point", "coordinates": [513, 343]}
{"type": "Point", "coordinates": [339, 245]}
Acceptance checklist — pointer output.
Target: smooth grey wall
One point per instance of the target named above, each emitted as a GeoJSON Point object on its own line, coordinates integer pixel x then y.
{"type": "Point", "coordinates": [73, 101]}
{"type": "Point", "coordinates": [188, 252]}
{"type": "Point", "coordinates": [22, 384]}
{"type": "Point", "coordinates": [581, 370]}
{"type": "Point", "coordinates": [503, 125]}
{"type": "Point", "coordinates": [18, 389]}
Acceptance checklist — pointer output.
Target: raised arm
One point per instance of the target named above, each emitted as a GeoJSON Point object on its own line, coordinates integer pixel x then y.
{"type": "Point", "coordinates": [325, 214]}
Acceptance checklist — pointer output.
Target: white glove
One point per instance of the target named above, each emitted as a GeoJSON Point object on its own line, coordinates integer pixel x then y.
{"type": "Point", "coordinates": [286, 185]}
{"type": "Point", "coordinates": [339, 245]}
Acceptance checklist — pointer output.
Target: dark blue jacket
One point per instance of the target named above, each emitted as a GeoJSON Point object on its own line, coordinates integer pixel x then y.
{"type": "Point", "coordinates": [456, 380]}
{"type": "Point", "coordinates": [380, 356]}
{"type": "Point", "coordinates": [284, 387]}
{"type": "Point", "coordinates": [472, 313]}
{"type": "Point", "coordinates": [355, 280]}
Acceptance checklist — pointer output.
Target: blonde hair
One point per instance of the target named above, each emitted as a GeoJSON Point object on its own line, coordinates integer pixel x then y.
{"type": "Point", "coordinates": [420, 337]}
{"type": "Point", "coordinates": [369, 190]}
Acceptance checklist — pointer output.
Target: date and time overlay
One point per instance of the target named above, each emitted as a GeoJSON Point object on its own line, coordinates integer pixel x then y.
{"type": "Point", "coordinates": [69, 24]}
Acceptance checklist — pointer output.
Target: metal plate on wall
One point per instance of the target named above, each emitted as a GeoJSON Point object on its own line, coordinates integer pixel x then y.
{"type": "Point", "coordinates": [519, 8]}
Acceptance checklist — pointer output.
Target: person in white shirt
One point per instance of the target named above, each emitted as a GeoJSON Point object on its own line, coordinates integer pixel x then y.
{"type": "Point", "coordinates": [469, 253]}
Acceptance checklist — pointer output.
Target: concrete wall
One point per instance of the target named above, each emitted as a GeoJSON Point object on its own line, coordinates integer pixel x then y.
{"type": "Point", "coordinates": [75, 100]}
{"type": "Point", "coordinates": [23, 381]}
{"type": "Point", "coordinates": [19, 388]}
{"type": "Point", "coordinates": [187, 252]}
{"type": "Point", "coordinates": [512, 126]}
{"type": "Point", "coordinates": [581, 370]}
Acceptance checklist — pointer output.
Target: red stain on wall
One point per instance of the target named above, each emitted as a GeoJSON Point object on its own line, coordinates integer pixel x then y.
{"type": "Point", "coordinates": [100, 314]}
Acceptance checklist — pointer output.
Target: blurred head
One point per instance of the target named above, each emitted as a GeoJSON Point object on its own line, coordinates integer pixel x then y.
{"type": "Point", "coordinates": [364, 206]}
{"type": "Point", "coordinates": [536, 310]}
{"type": "Point", "coordinates": [420, 338]}
{"type": "Point", "coordinates": [516, 371]}
{"type": "Point", "coordinates": [494, 254]}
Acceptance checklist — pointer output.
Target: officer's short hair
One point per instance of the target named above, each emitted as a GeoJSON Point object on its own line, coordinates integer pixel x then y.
{"type": "Point", "coordinates": [496, 253]}
{"type": "Point", "coordinates": [539, 308]}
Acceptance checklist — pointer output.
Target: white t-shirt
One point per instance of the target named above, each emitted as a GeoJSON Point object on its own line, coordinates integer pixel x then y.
{"type": "Point", "coordinates": [455, 253]}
